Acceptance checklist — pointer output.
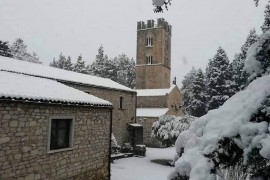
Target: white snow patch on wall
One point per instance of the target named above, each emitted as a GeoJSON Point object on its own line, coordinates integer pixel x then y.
{"type": "Point", "coordinates": [151, 112]}
{"type": "Point", "coordinates": [154, 92]}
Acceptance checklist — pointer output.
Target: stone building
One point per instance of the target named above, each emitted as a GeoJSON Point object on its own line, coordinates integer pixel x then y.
{"type": "Point", "coordinates": [156, 96]}
{"type": "Point", "coordinates": [52, 131]}
{"type": "Point", "coordinates": [122, 98]}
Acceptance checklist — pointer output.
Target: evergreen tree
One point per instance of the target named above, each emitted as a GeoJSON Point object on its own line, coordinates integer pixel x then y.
{"type": "Point", "coordinates": [239, 75]}
{"type": "Point", "coordinates": [33, 58]}
{"type": "Point", "coordinates": [120, 69]}
{"type": "Point", "coordinates": [98, 66]}
{"type": "Point", "coordinates": [251, 39]}
{"type": "Point", "coordinates": [266, 23]}
{"type": "Point", "coordinates": [4, 49]}
{"type": "Point", "coordinates": [198, 102]}
{"type": "Point", "coordinates": [62, 63]}
{"type": "Point", "coordinates": [125, 71]}
{"type": "Point", "coordinates": [19, 51]}
{"type": "Point", "coordinates": [186, 89]}
{"type": "Point", "coordinates": [80, 66]}
{"type": "Point", "coordinates": [68, 64]}
{"type": "Point", "coordinates": [54, 63]}
{"type": "Point", "coordinates": [218, 79]}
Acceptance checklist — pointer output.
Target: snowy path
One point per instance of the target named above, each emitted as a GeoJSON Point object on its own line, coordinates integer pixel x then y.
{"type": "Point", "coordinates": [136, 168]}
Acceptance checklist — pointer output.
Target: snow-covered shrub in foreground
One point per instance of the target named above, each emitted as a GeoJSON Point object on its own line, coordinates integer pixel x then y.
{"type": "Point", "coordinates": [257, 62]}
{"type": "Point", "coordinates": [115, 148]}
{"type": "Point", "coordinates": [237, 132]}
{"type": "Point", "coordinates": [168, 128]}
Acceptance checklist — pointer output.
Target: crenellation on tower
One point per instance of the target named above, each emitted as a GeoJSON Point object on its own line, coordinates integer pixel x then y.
{"type": "Point", "coordinates": [149, 24]}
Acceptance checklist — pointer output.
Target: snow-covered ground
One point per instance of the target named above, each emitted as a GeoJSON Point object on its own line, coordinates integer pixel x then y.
{"type": "Point", "coordinates": [136, 168]}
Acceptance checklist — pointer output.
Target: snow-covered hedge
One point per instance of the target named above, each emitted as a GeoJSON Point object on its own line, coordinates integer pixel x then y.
{"type": "Point", "coordinates": [167, 128]}
{"type": "Point", "coordinates": [236, 132]}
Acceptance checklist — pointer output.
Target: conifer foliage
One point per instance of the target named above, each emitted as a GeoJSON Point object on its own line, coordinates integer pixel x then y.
{"type": "Point", "coordinates": [120, 69]}
{"type": "Point", "coordinates": [218, 79]}
{"type": "Point", "coordinates": [198, 90]}
{"type": "Point", "coordinates": [62, 63]}
{"type": "Point", "coordinates": [187, 88]}
{"type": "Point", "coordinates": [266, 24]}
{"type": "Point", "coordinates": [4, 49]}
{"type": "Point", "coordinates": [19, 51]}
{"type": "Point", "coordinates": [80, 66]}
{"type": "Point", "coordinates": [239, 75]}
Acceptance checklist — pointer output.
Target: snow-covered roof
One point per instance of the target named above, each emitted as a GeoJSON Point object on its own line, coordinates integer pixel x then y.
{"type": "Point", "coordinates": [154, 92]}
{"type": "Point", "coordinates": [151, 112]}
{"type": "Point", "coordinates": [24, 87]}
{"type": "Point", "coordinates": [12, 65]}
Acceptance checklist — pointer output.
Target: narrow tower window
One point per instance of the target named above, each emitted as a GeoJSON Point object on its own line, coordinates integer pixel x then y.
{"type": "Point", "coordinates": [149, 42]}
{"type": "Point", "coordinates": [149, 59]}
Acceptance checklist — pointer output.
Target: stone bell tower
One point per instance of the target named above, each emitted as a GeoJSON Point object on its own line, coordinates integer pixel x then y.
{"type": "Point", "coordinates": [153, 64]}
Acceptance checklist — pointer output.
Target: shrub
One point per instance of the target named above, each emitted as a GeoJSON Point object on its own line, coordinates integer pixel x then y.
{"type": "Point", "coordinates": [168, 127]}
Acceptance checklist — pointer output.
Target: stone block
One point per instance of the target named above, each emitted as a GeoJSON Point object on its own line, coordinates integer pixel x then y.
{"type": "Point", "coordinates": [17, 156]}
{"type": "Point", "coordinates": [7, 117]}
{"type": "Point", "coordinates": [30, 177]}
{"type": "Point", "coordinates": [13, 124]}
{"type": "Point", "coordinates": [4, 140]}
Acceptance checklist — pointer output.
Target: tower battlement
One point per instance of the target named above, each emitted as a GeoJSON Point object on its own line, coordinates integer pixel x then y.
{"type": "Point", "coordinates": [149, 24]}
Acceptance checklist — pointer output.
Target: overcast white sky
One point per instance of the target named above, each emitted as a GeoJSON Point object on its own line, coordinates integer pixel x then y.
{"type": "Point", "coordinates": [77, 27]}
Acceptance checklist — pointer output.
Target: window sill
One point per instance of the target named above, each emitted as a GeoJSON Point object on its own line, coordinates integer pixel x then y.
{"type": "Point", "coordinates": [59, 150]}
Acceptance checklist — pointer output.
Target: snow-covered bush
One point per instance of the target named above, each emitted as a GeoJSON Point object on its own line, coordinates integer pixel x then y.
{"type": "Point", "coordinates": [126, 148]}
{"type": "Point", "coordinates": [167, 128]}
{"type": "Point", "coordinates": [115, 148]}
{"type": "Point", "coordinates": [237, 132]}
{"type": "Point", "coordinates": [257, 63]}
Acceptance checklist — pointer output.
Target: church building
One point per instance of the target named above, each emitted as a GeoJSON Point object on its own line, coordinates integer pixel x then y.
{"type": "Point", "coordinates": [156, 95]}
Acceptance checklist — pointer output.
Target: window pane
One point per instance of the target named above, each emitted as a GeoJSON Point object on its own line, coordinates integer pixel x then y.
{"type": "Point", "coordinates": [60, 133]}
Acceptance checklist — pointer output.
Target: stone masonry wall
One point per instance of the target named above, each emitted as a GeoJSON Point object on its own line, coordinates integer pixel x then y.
{"type": "Point", "coordinates": [174, 102]}
{"type": "Point", "coordinates": [24, 133]}
{"type": "Point", "coordinates": [121, 117]}
{"type": "Point", "coordinates": [147, 123]}
{"type": "Point", "coordinates": [151, 101]}
{"type": "Point", "coordinates": [152, 76]}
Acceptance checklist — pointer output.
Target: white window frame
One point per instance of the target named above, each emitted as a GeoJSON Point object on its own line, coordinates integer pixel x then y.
{"type": "Point", "coordinates": [71, 136]}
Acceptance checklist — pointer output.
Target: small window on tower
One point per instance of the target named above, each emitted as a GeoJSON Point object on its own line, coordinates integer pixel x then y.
{"type": "Point", "coordinates": [149, 59]}
{"type": "Point", "coordinates": [149, 42]}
